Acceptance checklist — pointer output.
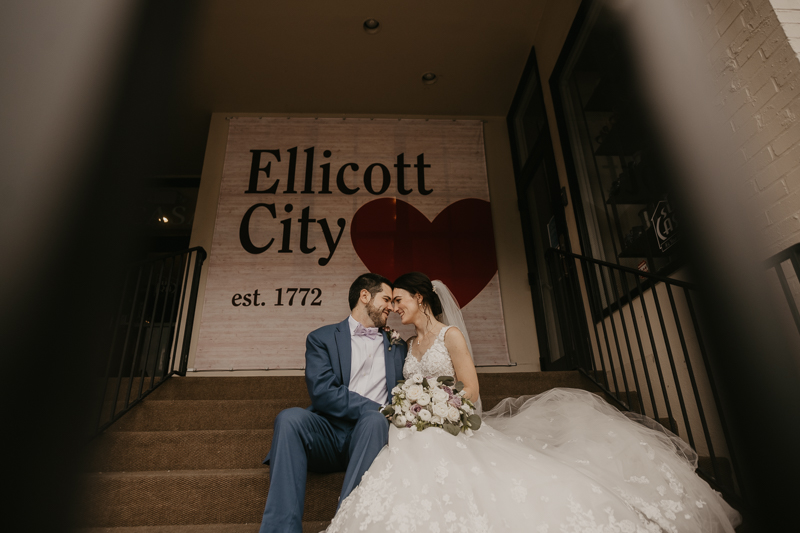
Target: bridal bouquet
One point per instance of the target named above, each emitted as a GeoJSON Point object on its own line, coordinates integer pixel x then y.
{"type": "Point", "coordinates": [420, 404]}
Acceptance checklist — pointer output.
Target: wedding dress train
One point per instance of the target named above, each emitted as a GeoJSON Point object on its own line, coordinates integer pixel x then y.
{"type": "Point", "coordinates": [561, 461]}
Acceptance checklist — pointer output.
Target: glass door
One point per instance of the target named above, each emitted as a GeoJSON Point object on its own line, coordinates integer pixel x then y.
{"type": "Point", "coordinates": [617, 176]}
{"type": "Point", "coordinates": [541, 208]}
{"type": "Point", "coordinates": [544, 227]}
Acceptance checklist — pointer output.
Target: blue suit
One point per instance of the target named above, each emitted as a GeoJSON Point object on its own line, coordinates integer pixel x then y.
{"type": "Point", "coordinates": [340, 431]}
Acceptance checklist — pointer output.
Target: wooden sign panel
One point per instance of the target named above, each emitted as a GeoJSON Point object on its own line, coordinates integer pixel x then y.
{"type": "Point", "coordinates": [306, 205]}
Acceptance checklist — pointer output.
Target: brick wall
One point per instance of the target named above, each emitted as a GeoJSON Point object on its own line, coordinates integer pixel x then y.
{"type": "Point", "coordinates": [753, 48]}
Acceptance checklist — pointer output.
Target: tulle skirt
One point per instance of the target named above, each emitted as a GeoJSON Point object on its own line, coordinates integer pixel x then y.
{"type": "Point", "coordinates": [562, 461]}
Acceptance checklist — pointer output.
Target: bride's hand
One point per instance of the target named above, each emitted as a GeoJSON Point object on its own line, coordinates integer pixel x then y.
{"type": "Point", "coordinates": [462, 362]}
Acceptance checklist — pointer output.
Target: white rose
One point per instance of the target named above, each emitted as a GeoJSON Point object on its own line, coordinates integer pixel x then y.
{"type": "Point", "coordinates": [441, 410]}
{"type": "Point", "coordinates": [440, 396]}
{"type": "Point", "coordinates": [400, 421]}
{"type": "Point", "coordinates": [406, 385]}
{"type": "Point", "coordinates": [406, 405]}
{"type": "Point", "coordinates": [424, 399]}
{"type": "Point", "coordinates": [398, 409]}
{"type": "Point", "coordinates": [417, 378]}
{"type": "Point", "coordinates": [436, 419]}
{"type": "Point", "coordinates": [414, 392]}
{"type": "Point", "coordinates": [425, 415]}
{"type": "Point", "coordinates": [452, 414]}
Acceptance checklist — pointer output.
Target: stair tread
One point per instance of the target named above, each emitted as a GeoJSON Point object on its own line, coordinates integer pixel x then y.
{"type": "Point", "coordinates": [232, 388]}
{"type": "Point", "coordinates": [294, 387]}
{"type": "Point", "coordinates": [308, 527]}
{"type": "Point", "coordinates": [189, 415]}
{"type": "Point", "coordinates": [211, 472]}
{"type": "Point", "coordinates": [154, 498]}
{"type": "Point", "coordinates": [130, 434]}
{"type": "Point", "coordinates": [199, 528]}
{"type": "Point", "coordinates": [188, 457]}
{"type": "Point", "coordinates": [179, 450]}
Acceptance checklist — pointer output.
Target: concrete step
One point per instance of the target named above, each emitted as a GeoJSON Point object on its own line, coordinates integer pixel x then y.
{"type": "Point", "coordinates": [631, 398]}
{"type": "Point", "coordinates": [188, 458]}
{"type": "Point", "coordinates": [189, 415]}
{"type": "Point", "coordinates": [530, 383]}
{"type": "Point", "coordinates": [193, 497]}
{"type": "Point", "coordinates": [132, 451]}
{"type": "Point", "coordinates": [308, 527]}
{"type": "Point", "coordinates": [232, 388]}
{"type": "Point", "coordinates": [195, 403]}
{"type": "Point", "coordinates": [195, 415]}
{"type": "Point", "coordinates": [724, 474]}
{"type": "Point", "coordinates": [294, 387]}
{"type": "Point", "coordinates": [126, 384]}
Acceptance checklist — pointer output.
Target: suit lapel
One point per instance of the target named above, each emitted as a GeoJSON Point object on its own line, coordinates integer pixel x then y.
{"type": "Point", "coordinates": [344, 346]}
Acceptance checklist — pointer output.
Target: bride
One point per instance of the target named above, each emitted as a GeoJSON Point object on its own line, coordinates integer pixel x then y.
{"type": "Point", "coordinates": [561, 461]}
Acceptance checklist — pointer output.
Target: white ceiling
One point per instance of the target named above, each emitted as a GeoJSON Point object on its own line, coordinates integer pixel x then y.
{"type": "Point", "coordinates": [313, 56]}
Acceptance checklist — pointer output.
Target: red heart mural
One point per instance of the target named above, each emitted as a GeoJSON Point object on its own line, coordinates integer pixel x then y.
{"type": "Point", "coordinates": [391, 237]}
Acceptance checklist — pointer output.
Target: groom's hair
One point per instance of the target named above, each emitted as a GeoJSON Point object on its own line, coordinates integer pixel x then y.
{"type": "Point", "coordinates": [372, 282]}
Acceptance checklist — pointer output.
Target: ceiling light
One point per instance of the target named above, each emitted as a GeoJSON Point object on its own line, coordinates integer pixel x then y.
{"type": "Point", "coordinates": [372, 26]}
{"type": "Point", "coordinates": [429, 77]}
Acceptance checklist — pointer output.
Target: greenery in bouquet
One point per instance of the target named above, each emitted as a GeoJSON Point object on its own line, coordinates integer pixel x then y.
{"type": "Point", "coordinates": [421, 403]}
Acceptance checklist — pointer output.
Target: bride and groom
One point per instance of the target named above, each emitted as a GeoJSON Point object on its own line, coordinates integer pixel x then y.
{"type": "Point", "coordinates": [559, 461]}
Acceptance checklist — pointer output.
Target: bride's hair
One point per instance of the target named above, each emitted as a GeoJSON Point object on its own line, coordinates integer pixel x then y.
{"type": "Point", "coordinates": [418, 283]}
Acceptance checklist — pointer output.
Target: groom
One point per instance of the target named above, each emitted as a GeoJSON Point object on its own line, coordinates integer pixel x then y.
{"type": "Point", "coordinates": [350, 369]}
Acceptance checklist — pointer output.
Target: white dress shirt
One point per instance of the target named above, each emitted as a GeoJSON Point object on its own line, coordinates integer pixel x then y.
{"type": "Point", "coordinates": [367, 366]}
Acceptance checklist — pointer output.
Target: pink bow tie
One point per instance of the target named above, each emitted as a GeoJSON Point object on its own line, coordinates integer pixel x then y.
{"type": "Point", "coordinates": [361, 331]}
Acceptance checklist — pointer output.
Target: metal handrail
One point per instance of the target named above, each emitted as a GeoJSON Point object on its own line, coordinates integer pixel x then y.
{"type": "Point", "coordinates": [791, 254]}
{"type": "Point", "coordinates": [629, 270]}
{"type": "Point", "coordinates": [645, 316]}
{"type": "Point", "coordinates": [156, 310]}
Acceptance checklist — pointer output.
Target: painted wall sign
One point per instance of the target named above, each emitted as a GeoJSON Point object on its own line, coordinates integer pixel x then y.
{"type": "Point", "coordinates": [666, 225]}
{"type": "Point", "coordinates": [306, 205]}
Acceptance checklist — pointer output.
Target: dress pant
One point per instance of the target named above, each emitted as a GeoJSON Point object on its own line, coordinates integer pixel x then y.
{"type": "Point", "coordinates": [304, 441]}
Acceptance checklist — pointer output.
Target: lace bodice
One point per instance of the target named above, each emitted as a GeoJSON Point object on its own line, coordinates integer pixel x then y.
{"type": "Point", "coordinates": [433, 363]}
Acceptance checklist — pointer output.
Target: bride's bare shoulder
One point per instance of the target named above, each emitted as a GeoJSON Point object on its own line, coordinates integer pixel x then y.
{"type": "Point", "coordinates": [453, 335]}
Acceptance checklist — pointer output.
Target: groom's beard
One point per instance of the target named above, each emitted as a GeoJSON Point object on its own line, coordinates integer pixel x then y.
{"type": "Point", "coordinates": [376, 315]}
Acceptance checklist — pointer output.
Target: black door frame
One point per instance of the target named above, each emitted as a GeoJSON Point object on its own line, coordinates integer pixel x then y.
{"type": "Point", "coordinates": [538, 155]}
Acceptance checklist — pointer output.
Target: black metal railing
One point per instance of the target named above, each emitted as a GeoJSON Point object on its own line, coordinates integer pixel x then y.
{"type": "Point", "coordinates": [788, 261]}
{"type": "Point", "coordinates": [637, 336]}
{"type": "Point", "coordinates": [151, 332]}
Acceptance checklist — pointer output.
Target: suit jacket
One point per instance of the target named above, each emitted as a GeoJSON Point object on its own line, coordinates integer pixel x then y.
{"type": "Point", "coordinates": [328, 362]}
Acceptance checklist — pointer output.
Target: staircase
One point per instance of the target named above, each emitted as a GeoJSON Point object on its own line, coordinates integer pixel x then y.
{"type": "Point", "coordinates": [188, 458]}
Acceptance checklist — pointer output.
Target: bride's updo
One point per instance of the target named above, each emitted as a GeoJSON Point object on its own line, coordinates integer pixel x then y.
{"type": "Point", "coordinates": [418, 283]}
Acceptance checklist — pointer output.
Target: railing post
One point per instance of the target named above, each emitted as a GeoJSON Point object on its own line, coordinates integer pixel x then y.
{"type": "Point", "coordinates": [184, 291]}
{"type": "Point", "coordinates": [591, 269]}
{"type": "Point", "coordinates": [791, 254]}
{"type": "Point", "coordinates": [200, 256]}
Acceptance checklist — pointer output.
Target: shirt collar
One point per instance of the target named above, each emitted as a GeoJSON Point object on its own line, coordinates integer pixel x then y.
{"type": "Point", "coordinates": [353, 323]}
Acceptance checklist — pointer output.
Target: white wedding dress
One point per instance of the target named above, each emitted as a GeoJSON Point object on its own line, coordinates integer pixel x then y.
{"type": "Point", "coordinates": [562, 461]}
